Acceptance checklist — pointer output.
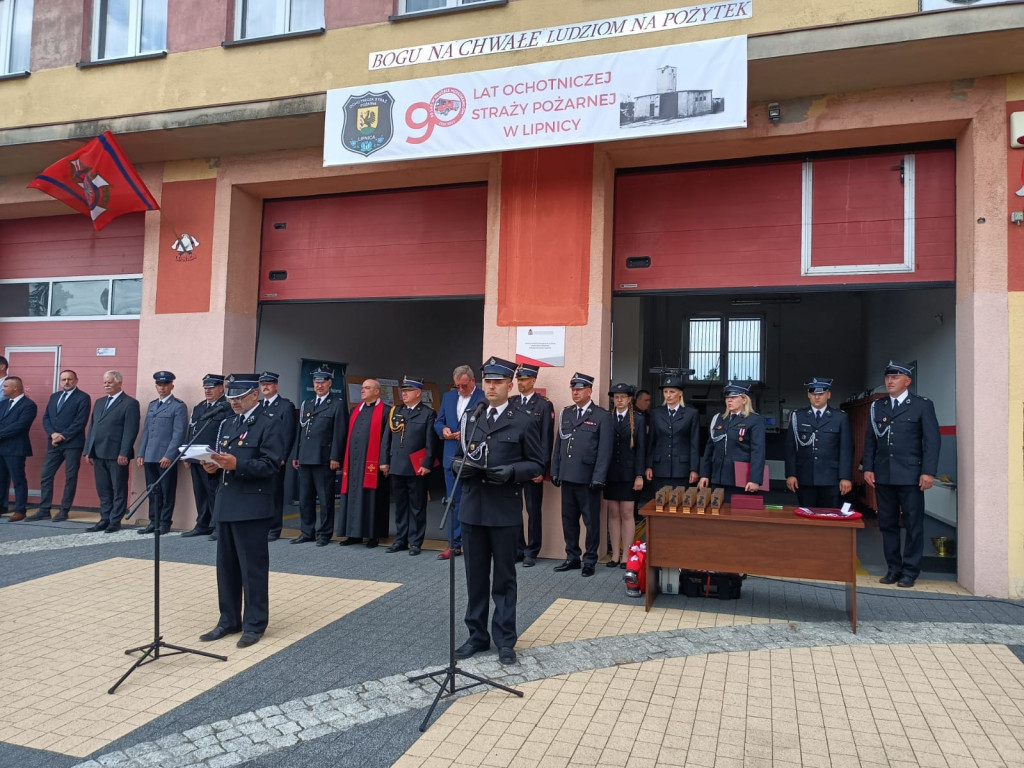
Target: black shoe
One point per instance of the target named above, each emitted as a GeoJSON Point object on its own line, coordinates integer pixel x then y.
{"type": "Point", "coordinates": [413, 551]}
{"type": "Point", "coordinates": [612, 564]}
{"type": "Point", "coordinates": [165, 530]}
{"type": "Point", "coordinates": [520, 557]}
{"type": "Point", "coordinates": [372, 543]}
{"type": "Point", "coordinates": [148, 529]}
{"type": "Point", "coordinates": [249, 638]}
{"type": "Point", "coordinates": [507, 655]}
{"type": "Point", "coordinates": [195, 532]}
{"type": "Point", "coordinates": [39, 516]}
{"type": "Point", "coordinates": [303, 538]}
{"type": "Point", "coordinates": [622, 565]}
{"type": "Point", "coordinates": [396, 547]}
{"type": "Point", "coordinates": [60, 517]}
{"type": "Point", "coordinates": [891, 577]}
{"type": "Point", "coordinates": [218, 632]}
{"type": "Point", "coordinates": [350, 541]}
{"type": "Point", "coordinates": [468, 648]}
{"type": "Point", "coordinates": [529, 562]}
{"type": "Point", "coordinates": [98, 527]}
{"type": "Point", "coordinates": [568, 565]}
{"type": "Point", "coordinates": [272, 536]}
{"type": "Point", "coordinates": [112, 528]}
{"type": "Point", "coordinates": [588, 569]}
{"type": "Point", "coordinates": [322, 542]}
{"type": "Point", "coordinates": [906, 581]}
{"type": "Point", "coordinates": [213, 536]}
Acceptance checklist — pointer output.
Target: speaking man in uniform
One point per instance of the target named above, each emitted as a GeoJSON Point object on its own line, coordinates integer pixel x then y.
{"type": "Point", "coordinates": [533, 492]}
{"type": "Point", "coordinates": [502, 451]}
{"type": "Point", "coordinates": [162, 436]}
{"type": "Point", "coordinates": [408, 455]}
{"type": "Point", "coordinates": [819, 450]}
{"type": "Point", "coordinates": [583, 454]}
{"type": "Point", "coordinates": [204, 429]}
{"type": "Point", "coordinates": [109, 448]}
{"type": "Point", "coordinates": [365, 501]}
{"type": "Point", "coordinates": [901, 455]}
{"type": "Point", "coordinates": [64, 422]}
{"type": "Point", "coordinates": [283, 410]}
{"type": "Point", "coordinates": [317, 454]}
{"type": "Point", "coordinates": [17, 413]}
{"type": "Point", "coordinates": [251, 449]}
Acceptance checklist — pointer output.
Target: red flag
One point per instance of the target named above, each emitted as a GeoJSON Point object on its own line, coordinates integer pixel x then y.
{"type": "Point", "coordinates": [97, 180]}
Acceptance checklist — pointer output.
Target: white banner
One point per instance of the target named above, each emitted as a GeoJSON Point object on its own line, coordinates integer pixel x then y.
{"type": "Point", "coordinates": [601, 29]}
{"type": "Point", "coordinates": [610, 97]}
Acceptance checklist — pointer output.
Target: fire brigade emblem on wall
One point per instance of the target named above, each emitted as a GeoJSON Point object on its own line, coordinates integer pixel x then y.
{"type": "Point", "coordinates": [368, 124]}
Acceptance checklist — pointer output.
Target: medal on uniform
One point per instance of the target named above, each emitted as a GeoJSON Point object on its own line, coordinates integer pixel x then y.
{"type": "Point", "coordinates": [885, 419]}
{"type": "Point", "coordinates": [241, 438]}
{"type": "Point", "coordinates": [743, 431]}
{"type": "Point", "coordinates": [308, 414]}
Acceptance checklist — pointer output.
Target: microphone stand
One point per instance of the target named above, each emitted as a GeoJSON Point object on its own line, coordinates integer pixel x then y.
{"type": "Point", "coordinates": [445, 678]}
{"type": "Point", "coordinates": [151, 651]}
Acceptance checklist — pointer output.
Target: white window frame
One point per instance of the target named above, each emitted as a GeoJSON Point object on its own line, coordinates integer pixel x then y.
{"type": "Point", "coordinates": [724, 318]}
{"type": "Point", "coordinates": [134, 31]}
{"type": "Point", "coordinates": [7, 37]}
{"type": "Point", "coordinates": [449, 4]}
{"type": "Point", "coordinates": [284, 12]}
{"type": "Point", "coordinates": [70, 318]}
{"type": "Point", "coordinates": [807, 267]}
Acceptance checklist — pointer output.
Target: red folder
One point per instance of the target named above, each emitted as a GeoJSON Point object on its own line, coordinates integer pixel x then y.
{"type": "Point", "coordinates": [741, 469]}
{"type": "Point", "coordinates": [416, 459]}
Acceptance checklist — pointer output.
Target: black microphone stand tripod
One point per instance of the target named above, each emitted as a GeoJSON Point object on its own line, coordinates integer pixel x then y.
{"type": "Point", "coordinates": [151, 651]}
{"type": "Point", "coordinates": [445, 678]}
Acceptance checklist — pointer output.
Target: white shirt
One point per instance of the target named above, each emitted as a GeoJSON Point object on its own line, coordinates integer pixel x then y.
{"type": "Point", "coordinates": [899, 400]}
{"type": "Point", "coordinates": [367, 405]}
{"type": "Point", "coordinates": [269, 401]}
{"type": "Point", "coordinates": [817, 412]}
{"type": "Point", "coordinates": [113, 397]}
{"type": "Point", "coordinates": [499, 408]}
{"type": "Point", "coordinates": [460, 408]}
{"type": "Point", "coordinates": [163, 400]}
{"type": "Point", "coordinates": [15, 399]}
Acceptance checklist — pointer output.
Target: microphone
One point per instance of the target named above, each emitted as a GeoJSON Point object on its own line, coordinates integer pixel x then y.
{"type": "Point", "coordinates": [477, 411]}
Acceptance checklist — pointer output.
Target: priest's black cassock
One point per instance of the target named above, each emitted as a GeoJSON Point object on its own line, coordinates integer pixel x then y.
{"type": "Point", "coordinates": [363, 511]}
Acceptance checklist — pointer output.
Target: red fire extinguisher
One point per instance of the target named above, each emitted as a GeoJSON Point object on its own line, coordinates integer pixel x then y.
{"type": "Point", "coordinates": [636, 570]}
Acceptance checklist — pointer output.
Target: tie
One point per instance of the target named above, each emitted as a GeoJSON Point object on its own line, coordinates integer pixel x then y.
{"type": "Point", "coordinates": [60, 403]}
{"type": "Point", "coordinates": [492, 416]}
{"type": "Point", "coordinates": [209, 405]}
{"type": "Point", "coordinates": [817, 416]}
{"type": "Point", "coordinates": [318, 401]}
{"type": "Point", "coordinates": [579, 413]}
{"type": "Point", "coordinates": [622, 417]}
{"type": "Point", "coordinates": [525, 399]}
{"type": "Point", "coordinates": [110, 401]}
{"type": "Point", "coordinates": [895, 404]}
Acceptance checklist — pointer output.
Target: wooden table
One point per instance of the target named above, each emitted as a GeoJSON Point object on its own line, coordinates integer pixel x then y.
{"type": "Point", "coordinates": [770, 542]}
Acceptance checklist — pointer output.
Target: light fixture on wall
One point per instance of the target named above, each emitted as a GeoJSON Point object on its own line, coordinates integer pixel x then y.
{"type": "Point", "coordinates": [774, 112]}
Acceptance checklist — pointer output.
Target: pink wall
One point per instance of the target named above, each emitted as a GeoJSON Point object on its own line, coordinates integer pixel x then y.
{"type": "Point", "coordinates": [68, 246]}
{"type": "Point", "coordinates": [57, 34]}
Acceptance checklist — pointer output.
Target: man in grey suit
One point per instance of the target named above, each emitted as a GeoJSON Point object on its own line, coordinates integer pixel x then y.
{"type": "Point", "coordinates": [109, 447]}
{"type": "Point", "coordinates": [162, 434]}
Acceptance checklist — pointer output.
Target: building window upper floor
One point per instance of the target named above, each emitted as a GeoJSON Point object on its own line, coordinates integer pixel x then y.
{"type": "Point", "coordinates": [266, 18]}
{"type": "Point", "coordinates": [127, 28]}
{"type": "Point", "coordinates": [15, 35]}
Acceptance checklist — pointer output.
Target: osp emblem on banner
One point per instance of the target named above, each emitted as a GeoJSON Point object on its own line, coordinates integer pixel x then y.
{"type": "Point", "coordinates": [368, 125]}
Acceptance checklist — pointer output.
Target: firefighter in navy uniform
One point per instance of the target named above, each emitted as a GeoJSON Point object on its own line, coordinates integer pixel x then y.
{"type": "Point", "coordinates": [407, 455]}
{"type": "Point", "coordinates": [502, 451]}
{"type": "Point", "coordinates": [736, 434]}
{"type": "Point", "coordinates": [541, 408]}
{"type": "Point", "coordinates": [901, 456]}
{"type": "Point", "coordinates": [582, 456]}
{"type": "Point", "coordinates": [819, 450]}
{"type": "Point", "coordinates": [204, 429]}
{"type": "Point", "coordinates": [251, 449]}
{"type": "Point", "coordinates": [317, 455]}
{"type": "Point", "coordinates": [282, 409]}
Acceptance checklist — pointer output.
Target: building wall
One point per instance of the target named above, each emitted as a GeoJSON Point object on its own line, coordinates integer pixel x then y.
{"type": "Point", "coordinates": [1015, 299]}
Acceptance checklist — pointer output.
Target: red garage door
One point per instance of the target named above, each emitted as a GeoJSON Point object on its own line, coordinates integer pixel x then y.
{"type": "Point", "coordinates": [402, 243]}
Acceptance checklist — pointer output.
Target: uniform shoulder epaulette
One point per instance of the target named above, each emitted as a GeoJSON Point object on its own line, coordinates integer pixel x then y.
{"type": "Point", "coordinates": [545, 398]}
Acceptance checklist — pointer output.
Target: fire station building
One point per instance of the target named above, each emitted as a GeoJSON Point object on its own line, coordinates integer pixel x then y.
{"type": "Point", "coordinates": [842, 194]}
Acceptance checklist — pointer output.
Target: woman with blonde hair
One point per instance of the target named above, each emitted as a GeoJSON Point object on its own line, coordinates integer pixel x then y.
{"type": "Point", "coordinates": [625, 475]}
{"type": "Point", "coordinates": [736, 435]}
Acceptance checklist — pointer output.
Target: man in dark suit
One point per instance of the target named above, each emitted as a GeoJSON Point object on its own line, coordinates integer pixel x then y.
{"type": "Point", "coordinates": [317, 455]}
{"type": "Point", "coordinates": [673, 448]}
{"type": "Point", "coordinates": [541, 408]}
{"type": "Point", "coordinates": [204, 429]}
{"type": "Point", "coordinates": [251, 449]}
{"type": "Point", "coordinates": [162, 436]}
{"type": "Point", "coordinates": [109, 447]}
{"type": "Point", "coordinates": [454, 403]}
{"type": "Point", "coordinates": [283, 410]}
{"type": "Point", "coordinates": [17, 413]}
{"type": "Point", "coordinates": [502, 451]}
{"type": "Point", "coordinates": [583, 454]}
{"type": "Point", "coordinates": [407, 456]}
{"type": "Point", "coordinates": [64, 422]}
{"type": "Point", "coordinates": [819, 450]}
{"type": "Point", "coordinates": [901, 455]}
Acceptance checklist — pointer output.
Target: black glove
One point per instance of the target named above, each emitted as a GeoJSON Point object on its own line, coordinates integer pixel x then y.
{"type": "Point", "coordinates": [500, 475]}
{"type": "Point", "coordinates": [596, 486]}
{"type": "Point", "coordinates": [468, 469]}
{"type": "Point", "coordinates": [556, 482]}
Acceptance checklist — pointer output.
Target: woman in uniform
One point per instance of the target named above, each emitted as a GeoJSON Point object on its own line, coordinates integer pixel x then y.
{"type": "Point", "coordinates": [625, 475]}
{"type": "Point", "coordinates": [736, 435]}
{"type": "Point", "coordinates": [673, 455]}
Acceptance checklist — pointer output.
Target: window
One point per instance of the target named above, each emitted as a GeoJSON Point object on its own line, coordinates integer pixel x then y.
{"type": "Point", "coordinates": [721, 349]}
{"type": "Point", "coordinates": [91, 298]}
{"type": "Point", "coordinates": [15, 35]}
{"type": "Point", "coordinates": [126, 28]}
{"type": "Point", "coordinates": [418, 6]}
{"type": "Point", "coordinates": [264, 18]}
